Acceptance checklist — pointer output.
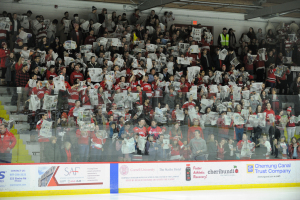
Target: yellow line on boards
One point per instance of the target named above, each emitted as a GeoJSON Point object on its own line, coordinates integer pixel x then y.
{"type": "Point", "coordinates": [54, 192]}
{"type": "Point", "coordinates": [207, 187]}
{"type": "Point", "coordinates": [144, 189]}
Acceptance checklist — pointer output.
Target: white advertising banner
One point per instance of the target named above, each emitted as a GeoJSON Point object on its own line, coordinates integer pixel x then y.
{"type": "Point", "coordinates": [207, 173]}
{"type": "Point", "coordinates": [54, 177]}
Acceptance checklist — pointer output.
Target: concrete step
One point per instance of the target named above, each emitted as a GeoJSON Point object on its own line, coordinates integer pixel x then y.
{"type": "Point", "coordinates": [19, 117]}
{"type": "Point", "coordinates": [36, 158]}
{"type": "Point", "coordinates": [33, 148]}
{"type": "Point", "coordinates": [10, 108]}
{"type": "Point", "coordinates": [25, 138]}
{"type": "Point", "coordinates": [5, 99]}
{"type": "Point", "coordinates": [22, 127]}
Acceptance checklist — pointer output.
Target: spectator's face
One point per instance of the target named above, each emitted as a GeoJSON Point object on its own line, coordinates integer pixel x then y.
{"type": "Point", "coordinates": [197, 135]}
{"type": "Point", "coordinates": [26, 68]}
{"type": "Point", "coordinates": [153, 123]}
{"type": "Point", "coordinates": [142, 123]}
{"type": "Point", "coordinates": [15, 16]}
{"type": "Point", "coordinates": [77, 104]}
{"type": "Point", "coordinates": [2, 129]}
{"type": "Point", "coordinates": [264, 138]}
{"type": "Point", "coordinates": [77, 68]}
{"type": "Point", "coordinates": [245, 137]}
{"type": "Point", "coordinates": [45, 117]}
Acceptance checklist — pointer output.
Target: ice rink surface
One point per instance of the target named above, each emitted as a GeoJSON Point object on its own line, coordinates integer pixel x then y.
{"type": "Point", "coordinates": [292, 193]}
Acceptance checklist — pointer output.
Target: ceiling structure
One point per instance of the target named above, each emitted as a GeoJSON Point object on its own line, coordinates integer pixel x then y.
{"type": "Point", "coordinates": [251, 8]}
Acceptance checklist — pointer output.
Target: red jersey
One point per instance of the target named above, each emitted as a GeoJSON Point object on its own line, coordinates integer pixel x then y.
{"type": "Point", "coordinates": [140, 130]}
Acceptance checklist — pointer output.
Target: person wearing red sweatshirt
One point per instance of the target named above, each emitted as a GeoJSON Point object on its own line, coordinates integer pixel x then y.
{"type": "Point", "coordinates": [238, 128]}
{"type": "Point", "coordinates": [97, 146]}
{"type": "Point", "coordinates": [4, 53]}
{"type": "Point", "coordinates": [84, 138]}
{"type": "Point", "coordinates": [271, 78]}
{"type": "Point", "coordinates": [192, 129]}
{"type": "Point", "coordinates": [278, 124]}
{"type": "Point", "coordinates": [247, 145]}
{"type": "Point", "coordinates": [76, 75]}
{"type": "Point", "coordinates": [90, 39]}
{"type": "Point", "coordinates": [269, 128]}
{"type": "Point", "coordinates": [7, 143]}
{"type": "Point", "coordinates": [223, 129]}
{"type": "Point", "coordinates": [141, 129]}
{"type": "Point", "coordinates": [154, 130]}
{"type": "Point", "coordinates": [260, 69]}
{"type": "Point", "coordinates": [248, 62]}
{"type": "Point", "coordinates": [221, 149]}
{"type": "Point", "coordinates": [76, 107]}
{"type": "Point", "coordinates": [189, 103]}
{"type": "Point", "coordinates": [184, 85]}
{"type": "Point", "coordinates": [51, 72]}
{"type": "Point", "coordinates": [290, 126]}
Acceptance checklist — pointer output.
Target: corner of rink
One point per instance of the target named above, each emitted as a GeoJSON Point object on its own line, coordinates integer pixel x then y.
{"type": "Point", "coordinates": [103, 178]}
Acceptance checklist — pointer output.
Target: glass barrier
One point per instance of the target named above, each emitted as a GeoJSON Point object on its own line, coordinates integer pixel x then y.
{"type": "Point", "coordinates": [157, 126]}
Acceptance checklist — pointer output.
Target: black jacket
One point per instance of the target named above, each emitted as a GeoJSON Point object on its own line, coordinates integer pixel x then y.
{"type": "Point", "coordinates": [206, 62]}
{"type": "Point", "coordinates": [73, 37]}
{"type": "Point", "coordinates": [63, 155]}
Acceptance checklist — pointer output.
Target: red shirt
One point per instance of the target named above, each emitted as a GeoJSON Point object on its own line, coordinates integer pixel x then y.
{"type": "Point", "coordinates": [186, 86]}
{"type": "Point", "coordinates": [83, 139]}
{"type": "Point", "coordinates": [141, 131]}
{"type": "Point", "coordinates": [7, 140]}
{"type": "Point", "coordinates": [76, 75]}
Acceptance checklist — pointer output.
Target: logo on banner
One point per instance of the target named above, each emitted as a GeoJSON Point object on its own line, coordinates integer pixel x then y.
{"type": "Point", "coordinates": [2, 174]}
{"type": "Point", "coordinates": [72, 171]}
{"type": "Point", "coordinates": [250, 169]}
{"type": "Point", "coordinates": [225, 172]}
{"type": "Point", "coordinates": [124, 170]}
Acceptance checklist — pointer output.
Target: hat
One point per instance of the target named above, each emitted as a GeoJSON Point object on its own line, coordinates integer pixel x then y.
{"type": "Point", "coordinates": [88, 79]}
{"type": "Point", "coordinates": [3, 43]}
{"type": "Point", "coordinates": [94, 8]}
{"type": "Point", "coordinates": [224, 28]}
{"type": "Point", "coordinates": [113, 104]}
{"type": "Point", "coordinates": [19, 40]}
{"type": "Point", "coordinates": [64, 115]}
{"type": "Point", "coordinates": [61, 68]}
{"type": "Point", "coordinates": [164, 128]}
{"type": "Point", "coordinates": [289, 109]}
{"type": "Point", "coordinates": [58, 59]}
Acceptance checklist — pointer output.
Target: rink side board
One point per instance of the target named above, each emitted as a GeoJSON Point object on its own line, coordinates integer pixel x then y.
{"type": "Point", "coordinates": [130, 177]}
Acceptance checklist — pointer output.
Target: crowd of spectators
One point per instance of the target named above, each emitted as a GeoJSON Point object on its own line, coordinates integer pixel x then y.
{"type": "Point", "coordinates": [149, 103]}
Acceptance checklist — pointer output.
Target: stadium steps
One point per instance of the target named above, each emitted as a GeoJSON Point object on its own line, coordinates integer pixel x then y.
{"type": "Point", "coordinates": [20, 153]}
